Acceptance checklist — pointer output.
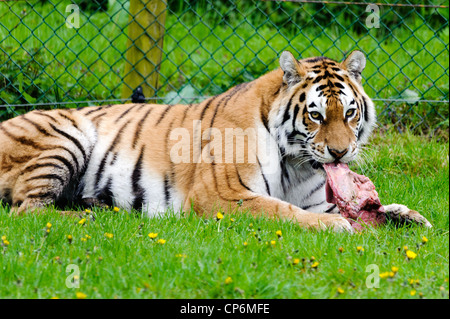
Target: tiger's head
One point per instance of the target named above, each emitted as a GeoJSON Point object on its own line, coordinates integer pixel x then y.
{"type": "Point", "coordinates": [323, 114]}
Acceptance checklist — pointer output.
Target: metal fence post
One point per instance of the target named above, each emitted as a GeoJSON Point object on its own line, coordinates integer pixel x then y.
{"type": "Point", "coordinates": [144, 46]}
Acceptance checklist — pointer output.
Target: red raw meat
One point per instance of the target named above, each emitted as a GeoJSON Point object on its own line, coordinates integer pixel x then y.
{"type": "Point", "coordinates": [355, 196]}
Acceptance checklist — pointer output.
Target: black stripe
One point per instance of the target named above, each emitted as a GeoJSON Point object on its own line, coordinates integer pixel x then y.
{"type": "Point", "coordinates": [227, 98]}
{"type": "Point", "coordinates": [264, 177]}
{"type": "Point", "coordinates": [36, 166]}
{"type": "Point", "coordinates": [101, 167]}
{"type": "Point", "coordinates": [309, 206]}
{"type": "Point", "coordinates": [339, 85]}
{"type": "Point", "coordinates": [74, 157]}
{"type": "Point", "coordinates": [105, 195]}
{"type": "Point", "coordinates": [264, 120]}
{"type": "Point", "coordinates": [318, 79]}
{"type": "Point", "coordinates": [292, 135]}
{"type": "Point", "coordinates": [37, 126]}
{"type": "Point", "coordinates": [315, 189]}
{"type": "Point", "coordinates": [19, 159]}
{"type": "Point", "coordinates": [185, 113]}
{"type": "Point", "coordinates": [168, 107]}
{"type": "Point", "coordinates": [62, 160]}
{"type": "Point", "coordinates": [68, 118]}
{"type": "Point", "coordinates": [294, 118]}
{"type": "Point", "coordinates": [166, 190]}
{"type": "Point", "coordinates": [139, 127]}
{"type": "Point", "coordinates": [241, 182]}
{"type": "Point", "coordinates": [286, 115]}
{"type": "Point", "coordinates": [93, 110]}
{"type": "Point", "coordinates": [23, 140]}
{"type": "Point", "coordinates": [302, 97]}
{"type": "Point", "coordinates": [207, 106]}
{"type": "Point", "coordinates": [365, 111]}
{"type": "Point", "coordinates": [38, 112]}
{"type": "Point", "coordinates": [321, 87]}
{"type": "Point", "coordinates": [125, 113]}
{"type": "Point", "coordinates": [73, 139]}
{"type": "Point", "coordinates": [95, 118]}
{"type": "Point", "coordinates": [340, 78]}
{"type": "Point", "coordinates": [46, 176]}
{"type": "Point", "coordinates": [138, 191]}
{"type": "Point", "coordinates": [42, 195]}
{"type": "Point", "coordinates": [277, 91]}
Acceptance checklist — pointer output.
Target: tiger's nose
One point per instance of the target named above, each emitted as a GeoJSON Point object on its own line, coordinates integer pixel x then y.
{"type": "Point", "coordinates": [337, 154]}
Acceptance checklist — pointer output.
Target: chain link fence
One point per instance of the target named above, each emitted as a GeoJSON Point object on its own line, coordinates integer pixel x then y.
{"type": "Point", "coordinates": [71, 54]}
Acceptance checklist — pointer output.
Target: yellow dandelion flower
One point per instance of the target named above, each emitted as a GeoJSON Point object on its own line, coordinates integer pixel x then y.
{"type": "Point", "coordinates": [87, 211]}
{"type": "Point", "coordinates": [219, 216]}
{"type": "Point", "coordinates": [54, 297]}
{"type": "Point", "coordinates": [250, 225]}
{"type": "Point", "coordinates": [6, 242]}
{"type": "Point", "coordinates": [49, 225]}
{"type": "Point", "coordinates": [360, 249]}
{"type": "Point", "coordinates": [80, 295]}
{"type": "Point", "coordinates": [413, 292]}
{"type": "Point", "coordinates": [273, 242]}
{"type": "Point", "coordinates": [424, 240]}
{"type": "Point", "coordinates": [3, 237]}
{"type": "Point", "coordinates": [83, 239]}
{"type": "Point", "coordinates": [228, 281]}
{"type": "Point", "coordinates": [278, 233]}
{"type": "Point", "coordinates": [314, 264]}
{"type": "Point", "coordinates": [109, 235]}
{"type": "Point", "coordinates": [340, 290]}
{"type": "Point", "coordinates": [384, 275]}
{"type": "Point", "coordinates": [232, 219]}
{"type": "Point", "coordinates": [341, 249]}
{"type": "Point", "coordinates": [413, 281]}
{"type": "Point", "coordinates": [82, 221]}
{"type": "Point", "coordinates": [69, 238]}
{"type": "Point", "coordinates": [116, 209]}
{"type": "Point", "coordinates": [410, 254]}
{"type": "Point", "coordinates": [88, 237]}
{"type": "Point", "coordinates": [245, 244]}
{"type": "Point", "coordinates": [161, 241]}
{"type": "Point", "coordinates": [295, 261]}
{"type": "Point", "coordinates": [394, 269]}
{"type": "Point", "coordinates": [405, 247]}
{"type": "Point", "coordinates": [152, 235]}
{"type": "Point", "coordinates": [391, 274]}
{"type": "Point", "coordinates": [312, 258]}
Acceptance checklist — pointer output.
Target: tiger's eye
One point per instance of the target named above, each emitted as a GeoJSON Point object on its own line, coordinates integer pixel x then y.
{"type": "Point", "coordinates": [350, 113]}
{"type": "Point", "coordinates": [316, 115]}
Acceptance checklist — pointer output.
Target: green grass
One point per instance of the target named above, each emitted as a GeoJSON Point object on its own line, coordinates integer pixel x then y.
{"type": "Point", "coordinates": [405, 169]}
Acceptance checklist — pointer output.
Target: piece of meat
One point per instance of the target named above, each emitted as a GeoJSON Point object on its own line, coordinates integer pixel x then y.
{"type": "Point", "coordinates": [355, 196]}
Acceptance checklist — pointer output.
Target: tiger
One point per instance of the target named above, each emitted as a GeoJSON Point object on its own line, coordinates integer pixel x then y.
{"type": "Point", "coordinates": [156, 158]}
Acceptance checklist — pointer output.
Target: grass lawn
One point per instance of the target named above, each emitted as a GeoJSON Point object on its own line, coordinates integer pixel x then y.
{"type": "Point", "coordinates": [239, 256]}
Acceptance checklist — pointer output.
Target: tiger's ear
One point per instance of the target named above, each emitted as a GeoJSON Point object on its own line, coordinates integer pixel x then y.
{"type": "Point", "coordinates": [293, 69]}
{"type": "Point", "coordinates": [355, 64]}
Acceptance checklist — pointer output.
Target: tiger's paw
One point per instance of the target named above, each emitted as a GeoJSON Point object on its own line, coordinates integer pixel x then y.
{"type": "Point", "coordinates": [334, 222]}
{"type": "Point", "coordinates": [403, 215]}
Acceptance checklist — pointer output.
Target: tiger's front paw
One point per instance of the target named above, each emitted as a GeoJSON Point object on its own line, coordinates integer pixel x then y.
{"type": "Point", "coordinates": [334, 222]}
{"type": "Point", "coordinates": [402, 214]}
